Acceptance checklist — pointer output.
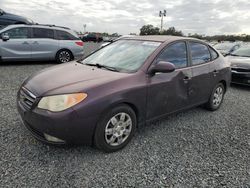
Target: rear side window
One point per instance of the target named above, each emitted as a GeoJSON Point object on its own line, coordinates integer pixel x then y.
{"type": "Point", "coordinates": [213, 53]}
{"type": "Point", "coordinates": [18, 33]}
{"type": "Point", "coordinates": [199, 52]}
{"type": "Point", "coordinates": [176, 54]}
{"type": "Point", "coordinates": [63, 35]}
{"type": "Point", "coordinates": [43, 33]}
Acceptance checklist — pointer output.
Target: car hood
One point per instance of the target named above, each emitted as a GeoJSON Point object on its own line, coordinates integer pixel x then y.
{"type": "Point", "coordinates": [242, 62]}
{"type": "Point", "coordinates": [69, 78]}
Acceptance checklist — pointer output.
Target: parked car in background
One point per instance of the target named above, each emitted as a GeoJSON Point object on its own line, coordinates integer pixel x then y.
{"type": "Point", "coordinates": [212, 43]}
{"type": "Point", "coordinates": [113, 91]}
{"type": "Point", "coordinates": [8, 19]}
{"type": "Point", "coordinates": [39, 42]}
{"type": "Point", "coordinates": [226, 48]}
{"type": "Point", "coordinates": [240, 65]}
{"type": "Point", "coordinates": [114, 39]}
{"type": "Point", "coordinates": [92, 37]}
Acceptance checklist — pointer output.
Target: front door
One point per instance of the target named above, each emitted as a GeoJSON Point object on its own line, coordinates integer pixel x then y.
{"type": "Point", "coordinates": [200, 85]}
{"type": "Point", "coordinates": [168, 92]}
{"type": "Point", "coordinates": [18, 47]}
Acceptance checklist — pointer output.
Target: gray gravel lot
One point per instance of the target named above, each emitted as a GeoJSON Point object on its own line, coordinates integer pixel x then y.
{"type": "Point", "coordinates": [196, 148]}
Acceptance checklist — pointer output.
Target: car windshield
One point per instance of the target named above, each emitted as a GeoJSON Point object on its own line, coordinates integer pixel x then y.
{"type": "Point", "coordinates": [123, 55]}
{"type": "Point", "coordinates": [244, 51]}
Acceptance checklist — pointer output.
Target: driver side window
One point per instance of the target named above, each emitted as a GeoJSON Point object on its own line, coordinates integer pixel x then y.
{"type": "Point", "coordinates": [18, 33]}
{"type": "Point", "coordinates": [175, 53]}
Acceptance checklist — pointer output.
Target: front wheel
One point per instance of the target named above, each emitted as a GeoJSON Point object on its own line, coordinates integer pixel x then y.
{"type": "Point", "coordinates": [216, 97]}
{"type": "Point", "coordinates": [115, 129]}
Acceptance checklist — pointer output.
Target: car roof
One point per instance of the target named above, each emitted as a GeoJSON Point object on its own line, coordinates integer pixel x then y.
{"type": "Point", "coordinates": [160, 38]}
{"type": "Point", "coordinates": [38, 26]}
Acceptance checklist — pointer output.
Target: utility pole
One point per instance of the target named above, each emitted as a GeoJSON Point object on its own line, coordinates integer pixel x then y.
{"type": "Point", "coordinates": [162, 14]}
{"type": "Point", "coordinates": [84, 26]}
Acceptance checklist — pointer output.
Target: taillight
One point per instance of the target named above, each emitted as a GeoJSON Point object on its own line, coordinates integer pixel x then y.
{"type": "Point", "coordinates": [79, 43]}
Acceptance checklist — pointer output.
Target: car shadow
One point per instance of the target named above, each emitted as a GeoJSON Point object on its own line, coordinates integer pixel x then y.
{"type": "Point", "coordinates": [20, 63]}
{"type": "Point", "coordinates": [241, 87]}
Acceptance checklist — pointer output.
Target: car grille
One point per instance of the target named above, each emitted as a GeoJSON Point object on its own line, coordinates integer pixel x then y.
{"type": "Point", "coordinates": [241, 69]}
{"type": "Point", "coordinates": [26, 99]}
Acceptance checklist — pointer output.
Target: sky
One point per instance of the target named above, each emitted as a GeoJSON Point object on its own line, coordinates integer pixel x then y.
{"type": "Point", "coordinates": [208, 17]}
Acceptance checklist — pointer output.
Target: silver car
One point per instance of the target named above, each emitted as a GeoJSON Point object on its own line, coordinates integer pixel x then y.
{"type": "Point", "coordinates": [39, 42]}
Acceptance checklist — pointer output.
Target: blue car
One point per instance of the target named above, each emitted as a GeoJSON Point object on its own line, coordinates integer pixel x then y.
{"type": "Point", "coordinates": [9, 19]}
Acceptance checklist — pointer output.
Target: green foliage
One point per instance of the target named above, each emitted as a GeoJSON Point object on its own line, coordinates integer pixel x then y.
{"type": "Point", "coordinates": [245, 38]}
{"type": "Point", "coordinates": [172, 31]}
{"type": "Point", "coordinates": [105, 34]}
{"type": "Point", "coordinates": [149, 30]}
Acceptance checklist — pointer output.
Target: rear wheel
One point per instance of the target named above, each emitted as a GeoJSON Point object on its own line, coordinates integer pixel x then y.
{"type": "Point", "coordinates": [216, 97]}
{"type": "Point", "coordinates": [63, 56]}
{"type": "Point", "coordinates": [115, 129]}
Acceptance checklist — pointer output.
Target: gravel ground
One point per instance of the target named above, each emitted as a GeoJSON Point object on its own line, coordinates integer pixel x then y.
{"type": "Point", "coordinates": [195, 148]}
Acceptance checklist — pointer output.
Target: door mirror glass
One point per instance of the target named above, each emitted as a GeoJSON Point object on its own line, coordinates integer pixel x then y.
{"type": "Point", "coordinates": [162, 67]}
{"type": "Point", "coordinates": [5, 37]}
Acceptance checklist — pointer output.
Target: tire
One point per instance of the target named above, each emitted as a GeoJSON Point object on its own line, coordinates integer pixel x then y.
{"type": "Point", "coordinates": [63, 56]}
{"type": "Point", "coordinates": [216, 97]}
{"type": "Point", "coordinates": [115, 129]}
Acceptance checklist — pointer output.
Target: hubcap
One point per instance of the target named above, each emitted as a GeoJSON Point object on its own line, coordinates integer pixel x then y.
{"type": "Point", "coordinates": [118, 129]}
{"type": "Point", "coordinates": [218, 95]}
{"type": "Point", "coordinates": [64, 56]}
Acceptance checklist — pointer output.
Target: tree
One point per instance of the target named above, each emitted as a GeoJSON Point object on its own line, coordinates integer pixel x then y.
{"type": "Point", "coordinates": [195, 36]}
{"type": "Point", "coordinates": [172, 31]}
{"type": "Point", "coordinates": [149, 30]}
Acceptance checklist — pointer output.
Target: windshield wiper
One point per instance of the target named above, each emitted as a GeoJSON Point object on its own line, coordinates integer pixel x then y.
{"type": "Point", "coordinates": [239, 55]}
{"type": "Point", "coordinates": [103, 66]}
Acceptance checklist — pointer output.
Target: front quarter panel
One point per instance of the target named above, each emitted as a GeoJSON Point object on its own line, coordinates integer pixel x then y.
{"type": "Point", "coordinates": [130, 90]}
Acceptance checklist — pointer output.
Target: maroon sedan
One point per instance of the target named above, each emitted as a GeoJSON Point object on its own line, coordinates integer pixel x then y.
{"type": "Point", "coordinates": [102, 99]}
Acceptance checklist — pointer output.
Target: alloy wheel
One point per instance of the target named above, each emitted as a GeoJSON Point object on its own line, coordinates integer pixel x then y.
{"type": "Point", "coordinates": [118, 129]}
{"type": "Point", "coordinates": [64, 56]}
{"type": "Point", "coordinates": [218, 96]}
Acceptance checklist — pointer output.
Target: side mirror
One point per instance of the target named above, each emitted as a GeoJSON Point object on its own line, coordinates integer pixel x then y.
{"type": "Point", "coordinates": [162, 67]}
{"type": "Point", "coordinates": [5, 37]}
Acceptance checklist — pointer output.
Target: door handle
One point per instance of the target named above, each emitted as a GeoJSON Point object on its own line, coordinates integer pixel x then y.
{"type": "Point", "coordinates": [35, 42]}
{"type": "Point", "coordinates": [215, 72]}
{"type": "Point", "coordinates": [186, 79]}
{"type": "Point", "coordinates": [25, 42]}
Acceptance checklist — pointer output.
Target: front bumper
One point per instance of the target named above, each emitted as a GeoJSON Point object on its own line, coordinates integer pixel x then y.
{"type": "Point", "coordinates": [241, 77]}
{"type": "Point", "coordinates": [67, 125]}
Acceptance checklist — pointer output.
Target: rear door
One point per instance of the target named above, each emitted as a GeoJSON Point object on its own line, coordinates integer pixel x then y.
{"type": "Point", "coordinates": [202, 65]}
{"type": "Point", "coordinates": [168, 92]}
{"type": "Point", "coordinates": [44, 45]}
{"type": "Point", "coordinates": [18, 47]}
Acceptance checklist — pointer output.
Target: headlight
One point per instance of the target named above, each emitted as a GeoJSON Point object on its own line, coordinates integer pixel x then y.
{"type": "Point", "coordinates": [58, 103]}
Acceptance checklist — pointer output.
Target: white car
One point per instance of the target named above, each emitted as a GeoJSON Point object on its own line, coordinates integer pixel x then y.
{"type": "Point", "coordinates": [24, 42]}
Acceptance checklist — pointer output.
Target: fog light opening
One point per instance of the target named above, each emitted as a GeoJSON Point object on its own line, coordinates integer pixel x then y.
{"type": "Point", "coordinates": [53, 139]}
